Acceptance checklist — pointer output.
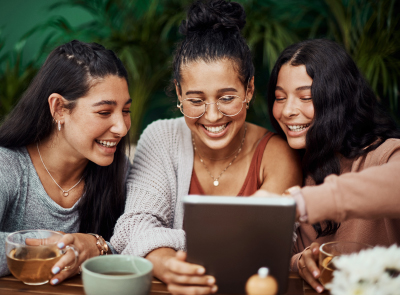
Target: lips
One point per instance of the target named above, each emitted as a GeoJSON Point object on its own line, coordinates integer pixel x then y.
{"type": "Point", "coordinates": [108, 144]}
{"type": "Point", "coordinates": [215, 129]}
{"type": "Point", "coordinates": [297, 128]}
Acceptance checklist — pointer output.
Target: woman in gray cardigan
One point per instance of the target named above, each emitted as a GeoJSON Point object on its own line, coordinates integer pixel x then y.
{"type": "Point", "coordinates": [211, 150]}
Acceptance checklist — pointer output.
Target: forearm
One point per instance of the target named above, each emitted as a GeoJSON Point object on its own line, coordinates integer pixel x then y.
{"type": "Point", "coordinates": [159, 257]}
{"type": "Point", "coordinates": [371, 193]}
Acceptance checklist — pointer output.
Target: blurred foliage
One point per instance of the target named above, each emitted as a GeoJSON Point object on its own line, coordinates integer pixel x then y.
{"type": "Point", "coordinates": [144, 35]}
{"type": "Point", "coordinates": [14, 77]}
{"type": "Point", "coordinates": [370, 32]}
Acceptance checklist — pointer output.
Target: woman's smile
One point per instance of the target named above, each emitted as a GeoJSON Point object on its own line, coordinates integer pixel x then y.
{"type": "Point", "coordinates": [208, 82]}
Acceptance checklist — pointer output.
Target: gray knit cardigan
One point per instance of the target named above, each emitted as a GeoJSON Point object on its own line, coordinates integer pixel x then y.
{"type": "Point", "coordinates": [159, 179]}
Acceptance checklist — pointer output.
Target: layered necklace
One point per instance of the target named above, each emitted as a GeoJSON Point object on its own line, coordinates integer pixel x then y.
{"type": "Point", "coordinates": [65, 193]}
{"type": "Point", "coordinates": [216, 180]}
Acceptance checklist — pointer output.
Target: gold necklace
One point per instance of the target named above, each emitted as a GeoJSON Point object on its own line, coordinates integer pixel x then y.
{"type": "Point", "coordinates": [216, 180]}
{"type": "Point", "coordinates": [65, 193]}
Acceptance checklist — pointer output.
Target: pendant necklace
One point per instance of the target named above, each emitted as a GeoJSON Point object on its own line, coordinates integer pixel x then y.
{"type": "Point", "coordinates": [216, 180]}
{"type": "Point", "coordinates": [65, 193]}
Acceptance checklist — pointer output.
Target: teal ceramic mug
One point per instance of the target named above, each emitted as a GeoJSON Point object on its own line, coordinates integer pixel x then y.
{"type": "Point", "coordinates": [117, 274]}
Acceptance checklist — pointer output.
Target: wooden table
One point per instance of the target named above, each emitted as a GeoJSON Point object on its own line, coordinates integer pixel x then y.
{"type": "Point", "coordinates": [11, 286]}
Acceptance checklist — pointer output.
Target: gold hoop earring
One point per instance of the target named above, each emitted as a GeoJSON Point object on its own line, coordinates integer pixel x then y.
{"type": "Point", "coordinates": [59, 125]}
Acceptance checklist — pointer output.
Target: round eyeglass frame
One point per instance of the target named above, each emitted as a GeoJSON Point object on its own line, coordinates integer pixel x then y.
{"type": "Point", "coordinates": [180, 106]}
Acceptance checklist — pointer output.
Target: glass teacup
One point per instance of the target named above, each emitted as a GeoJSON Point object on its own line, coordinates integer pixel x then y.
{"type": "Point", "coordinates": [32, 253]}
{"type": "Point", "coordinates": [329, 251]}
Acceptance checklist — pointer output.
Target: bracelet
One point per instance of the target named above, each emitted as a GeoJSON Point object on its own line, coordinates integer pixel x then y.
{"type": "Point", "coordinates": [295, 193]}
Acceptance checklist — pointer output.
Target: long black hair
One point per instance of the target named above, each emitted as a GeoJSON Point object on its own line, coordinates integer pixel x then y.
{"type": "Point", "coordinates": [348, 121]}
{"type": "Point", "coordinates": [212, 32]}
{"type": "Point", "coordinates": [70, 70]}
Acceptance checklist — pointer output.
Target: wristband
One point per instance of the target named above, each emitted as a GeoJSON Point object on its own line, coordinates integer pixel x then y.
{"type": "Point", "coordinates": [295, 193]}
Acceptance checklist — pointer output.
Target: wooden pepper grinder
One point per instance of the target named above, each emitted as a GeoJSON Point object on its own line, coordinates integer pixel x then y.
{"type": "Point", "coordinates": [262, 283]}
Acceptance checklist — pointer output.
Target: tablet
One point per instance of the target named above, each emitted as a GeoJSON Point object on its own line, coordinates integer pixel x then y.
{"type": "Point", "coordinates": [232, 237]}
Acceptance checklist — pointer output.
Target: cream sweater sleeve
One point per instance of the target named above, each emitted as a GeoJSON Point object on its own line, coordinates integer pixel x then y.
{"type": "Point", "coordinates": [371, 190]}
{"type": "Point", "coordinates": [153, 214]}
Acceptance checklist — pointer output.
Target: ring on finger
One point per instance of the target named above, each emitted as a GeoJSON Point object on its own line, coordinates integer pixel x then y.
{"type": "Point", "coordinates": [80, 270]}
{"type": "Point", "coordinates": [76, 253]}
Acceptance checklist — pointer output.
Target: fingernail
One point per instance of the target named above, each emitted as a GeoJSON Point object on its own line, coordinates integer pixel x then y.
{"type": "Point", "coordinates": [60, 245]}
{"type": "Point", "coordinates": [315, 273]}
{"type": "Point", "coordinates": [214, 289]}
{"type": "Point", "coordinates": [320, 289]}
{"type": "Point", "coordinates": [211, 281]}
{"type": "Point", "coordinates": [55, 270]}
{"type": "Point", "coordinates": [201, 270]}
{"type": "Point", "coordinates": [54, 281]}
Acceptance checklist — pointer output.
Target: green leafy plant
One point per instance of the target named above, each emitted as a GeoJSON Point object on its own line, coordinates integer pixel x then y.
{"type": "Point", "coordinates": [370, 32]}
{"type": "Point", "coordinates": [14, 76]}
{"type": "Point", "coordinates": [142, 33]}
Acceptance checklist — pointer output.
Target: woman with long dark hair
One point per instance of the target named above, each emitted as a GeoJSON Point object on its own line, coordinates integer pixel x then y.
{"type": "Point", "coordinates": [350, 150]}
{"type": "Point", "coordinates": [62, 152]}
{"type": "Point", "coordinates": [211, 150]}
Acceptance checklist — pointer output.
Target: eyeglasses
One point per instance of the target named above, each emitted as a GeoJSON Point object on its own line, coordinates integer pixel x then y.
{"type": "Point", "coordinates": [228, 105]}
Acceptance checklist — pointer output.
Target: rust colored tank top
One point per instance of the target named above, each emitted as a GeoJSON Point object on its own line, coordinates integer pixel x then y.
{"type": "Point", "coordinates": [252, 182]}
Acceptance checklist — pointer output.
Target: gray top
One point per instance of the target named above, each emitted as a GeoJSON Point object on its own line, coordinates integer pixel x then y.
{"type": "Point", "coordinates": [159, 179]}
{"type": "Point", "coordinates": [24, 203]}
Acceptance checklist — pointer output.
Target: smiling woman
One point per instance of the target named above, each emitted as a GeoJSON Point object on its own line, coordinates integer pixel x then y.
{"type": "Point", "coordinates": [62, 153]}
{"type": "Point", "coordinates": [212, 150]}
{"type": "Point", "coordinates": [321, 103]}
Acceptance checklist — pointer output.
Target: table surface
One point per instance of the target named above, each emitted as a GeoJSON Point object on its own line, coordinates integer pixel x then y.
{"type": "Point", "coordinates": [11, 286]}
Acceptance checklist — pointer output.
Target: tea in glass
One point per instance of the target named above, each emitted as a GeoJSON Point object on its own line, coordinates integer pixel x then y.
{"type": "Point", "coordinates": [327, 254]}
{"type": "Point", "coordinates": [31, 254]}
{"type": "Point", "coordinates": [33, 265]}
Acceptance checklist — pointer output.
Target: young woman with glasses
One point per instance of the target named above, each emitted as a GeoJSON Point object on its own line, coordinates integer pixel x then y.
{"type": "Point", "coordinates": [211, 150]}
{"type": "Point", "coordinates": [62, 153]}
{"type": "Point", "coordinates": [320, 102]}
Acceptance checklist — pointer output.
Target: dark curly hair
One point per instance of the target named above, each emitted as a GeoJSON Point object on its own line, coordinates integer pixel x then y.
{"type": "Point", "coordinates": [212, 32]}
{"type": "Point", "coordinates": [348, 120]}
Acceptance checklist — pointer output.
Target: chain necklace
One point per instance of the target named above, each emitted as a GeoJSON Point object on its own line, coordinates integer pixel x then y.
{"type": "Point", "coordinates": [216, 180]}
{"type": "Point", "coordinates": [65, 193]}
{"type": "Point", "coordinates": [221, 159]}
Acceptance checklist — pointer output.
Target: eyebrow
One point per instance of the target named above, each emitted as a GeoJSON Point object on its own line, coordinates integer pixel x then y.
{"type": "Point", "coordinates": [219, 91]}
{"type": "Point", "coordinates": [109, 102]}
{"type": "Point", "coordinates": [227, 90]}
{"type": "Point", "coordinates": [194, 92]}
{"type": "Point", "coordinates": [297, 89]}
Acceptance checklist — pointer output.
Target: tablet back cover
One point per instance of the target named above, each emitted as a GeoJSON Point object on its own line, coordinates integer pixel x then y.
{"type": "Point", "coordinates": [232, 241]}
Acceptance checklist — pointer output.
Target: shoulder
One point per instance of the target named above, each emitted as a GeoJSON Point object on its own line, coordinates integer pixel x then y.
{"type": "Point", "coordinates": [278, 148]}
{"type": "Point", "coordinates": [386, 151]}
{"type": "Point", "coordinates": [12, 159]}
{"type": "Point", "coordinates": [165, 138]}
{"type": "Point", "coordinates": [166, 129]}
{"type": "Point", "coordinates": [13, 164]}
{"type": "Point", "coordinates": [280, 166]}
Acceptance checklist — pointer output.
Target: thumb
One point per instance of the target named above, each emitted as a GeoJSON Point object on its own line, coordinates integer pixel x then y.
{"type": "Point", "coordinates": [315, 250]}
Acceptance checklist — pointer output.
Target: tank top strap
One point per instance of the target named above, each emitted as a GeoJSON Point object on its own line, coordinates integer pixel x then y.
{"type": "Point", "coordinates": [258, 155]}
{"type": "Point", "coordinates": [253, 182]}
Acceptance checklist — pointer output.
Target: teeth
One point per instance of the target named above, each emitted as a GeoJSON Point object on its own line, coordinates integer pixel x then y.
{"type": "Point", "coordinates": [215, 129]}
{"type": "Point", "coordinates": [107, 143]}
{"type": "Point", "coordinates": [297, 127]}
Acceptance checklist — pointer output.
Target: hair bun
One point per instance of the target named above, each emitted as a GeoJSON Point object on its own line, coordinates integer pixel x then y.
{"type": "Point", "coordinates": [213, 15]}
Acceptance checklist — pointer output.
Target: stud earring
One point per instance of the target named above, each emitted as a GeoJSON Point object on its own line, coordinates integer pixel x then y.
{"type": "Point", "coordinates": [59, 125]}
